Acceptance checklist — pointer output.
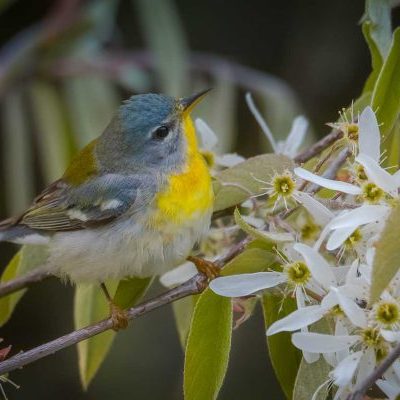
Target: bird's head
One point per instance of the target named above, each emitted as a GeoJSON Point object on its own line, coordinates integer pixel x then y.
{"type": "Point", "coordinates": [155, 129]}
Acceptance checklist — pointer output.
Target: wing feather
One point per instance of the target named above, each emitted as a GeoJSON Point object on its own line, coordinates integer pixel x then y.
{"type": "Point", "coordinates": [61, 207]}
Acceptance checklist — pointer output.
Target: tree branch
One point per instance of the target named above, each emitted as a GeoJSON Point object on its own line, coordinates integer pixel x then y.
{"type": "Point", "coordinates": [39, 275]}
{"type": "Point", "coordinates": [24, 281]}
{"type": "Point", "coordinates": [318, 147]}
{"type": "Point", "coordinates": [360, 389]}
{"type": "Point", "coordinates": [195, 285]}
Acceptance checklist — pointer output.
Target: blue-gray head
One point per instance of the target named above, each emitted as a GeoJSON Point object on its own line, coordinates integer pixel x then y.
{"type": "Point", "coordinates": [149, 130]}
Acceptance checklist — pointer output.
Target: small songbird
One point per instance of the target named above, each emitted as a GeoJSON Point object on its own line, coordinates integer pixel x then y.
{"type": "Point", "coordinates": [133, 202]}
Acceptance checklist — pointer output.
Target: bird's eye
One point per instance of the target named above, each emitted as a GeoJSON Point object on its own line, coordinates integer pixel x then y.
{"type": "Point", "coordinates": [161, 132]}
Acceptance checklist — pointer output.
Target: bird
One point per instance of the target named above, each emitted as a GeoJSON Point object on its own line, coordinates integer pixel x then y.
{"type": "Point", "coordinates": [132, 203]}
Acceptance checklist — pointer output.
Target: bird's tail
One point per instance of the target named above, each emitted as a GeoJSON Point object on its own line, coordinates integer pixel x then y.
{"type": "Point", "coordinates": [20, 234]}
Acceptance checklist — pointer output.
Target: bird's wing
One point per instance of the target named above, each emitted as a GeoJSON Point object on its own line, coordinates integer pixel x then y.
{"type": "Point", "coordinates": [62, 207]}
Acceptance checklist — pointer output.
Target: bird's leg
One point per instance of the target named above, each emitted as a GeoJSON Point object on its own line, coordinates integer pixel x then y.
{"type": "Point", "coordinates": [205, 267]}
{"type": "Point", "coordinates": [118, 316]}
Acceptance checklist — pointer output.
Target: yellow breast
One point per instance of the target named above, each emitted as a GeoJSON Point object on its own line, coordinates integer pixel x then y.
{"type": "Point", "coordinates": [189, 193]}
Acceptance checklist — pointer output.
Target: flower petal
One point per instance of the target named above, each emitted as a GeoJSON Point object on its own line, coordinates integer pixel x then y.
{"type": "Point", "coordinates": [391, 390]}
{"type": "Point", "coordinates": [338, 237]}
{"type": "Point", "coordinates": [208, 137]}
{"type": "Point", "coordinates": [390, 336]}
{"type": "Point", "coordinates": [321, 214]}
{"type": "Point", "coordinates": [353, 312]}
{"type": "Point", "coordinates": [327, 183]}
{"type": "Point", "coordinates": [261, 121]}
{"type": "Point", "coordinates": [321, 343]}
{"type": "Point", "coordinates": [369, 137]}
{"type": "Point", "coordinates": [378, 175]}
{"type": "Point", "coordinates": [178, 275]}
{"type": "Point", "coordinates": [245, 284]}
{"type": "Point", "coordinates": [359, 216]}
{"type": "Point", "coordinates": [344, 371]}
{"type": "Point", "coordinates": [295, 137]}
{"type": "Point", "coordinates": [317, 264]}
{"type": "Point", "coordinates": [229, 160]}
{"type": "Point", "coordinates": [366, 366]}
{"type": "Point", "coordinates": [297, 319]}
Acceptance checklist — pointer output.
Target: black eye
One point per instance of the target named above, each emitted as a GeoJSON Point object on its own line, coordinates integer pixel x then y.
{"type": "Point", "coordinates": [161, 132]}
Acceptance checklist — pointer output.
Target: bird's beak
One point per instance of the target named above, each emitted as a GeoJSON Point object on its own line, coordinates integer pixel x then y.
{"type": "Point", "coordinates": [188, 103]}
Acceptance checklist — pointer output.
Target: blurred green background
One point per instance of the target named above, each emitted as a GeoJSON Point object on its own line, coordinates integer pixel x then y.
{"type": "Point", "coordinates": [65, 66]}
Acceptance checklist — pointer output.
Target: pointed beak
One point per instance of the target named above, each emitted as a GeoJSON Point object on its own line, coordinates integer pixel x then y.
{"type": "Point", "coordinates": [188, 103]}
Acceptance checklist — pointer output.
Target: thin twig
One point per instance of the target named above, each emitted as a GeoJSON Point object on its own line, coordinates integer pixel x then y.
{"type": "Point", "coordinates": [333, 168]}
{"type": "Point", "coordinates": [24, 281]}
{"type": "Point", "coordinates": [360, 389]}
{"type": "Point", "coordinates": [40, 274]}
{"type": "Point", "coordinates": [318, 147]}
{"type": "Point", "coordinates": [195, 285]}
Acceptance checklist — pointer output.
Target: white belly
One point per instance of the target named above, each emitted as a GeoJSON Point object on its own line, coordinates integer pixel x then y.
{"type": "Point", "coordinates": [121, 249]}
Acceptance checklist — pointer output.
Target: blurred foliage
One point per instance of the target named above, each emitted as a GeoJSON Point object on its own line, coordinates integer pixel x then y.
{"type": "Point", "coordinates": [60, 82]}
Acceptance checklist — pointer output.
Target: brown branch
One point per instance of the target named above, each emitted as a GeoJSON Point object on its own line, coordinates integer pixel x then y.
{"type": "Point", "coordinates": [360, 389]}
{"type": "Point", "coordinates": [333, 168]}
{"type": "Point", "coordinates": [24, 281]}
{"type": "Point", "coordinates": [40, 274]}
{"type": "Point", "coordinates": [318, 147]}
{"type": "Point", "coordinates": [195, 285]}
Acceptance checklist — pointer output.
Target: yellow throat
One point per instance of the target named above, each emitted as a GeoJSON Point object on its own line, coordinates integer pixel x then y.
{"type": "Point", "coordinates": [189, 193]}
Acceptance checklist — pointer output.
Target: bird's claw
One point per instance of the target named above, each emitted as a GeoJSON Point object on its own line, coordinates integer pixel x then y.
{"type": "Point", "coordinates": [205, 267]}
{"type": "Point", "coordinates": [119, 317]}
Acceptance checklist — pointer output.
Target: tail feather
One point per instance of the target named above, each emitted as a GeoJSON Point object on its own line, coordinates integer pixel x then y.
{"type": "Point", "coordinates": [21, 234]}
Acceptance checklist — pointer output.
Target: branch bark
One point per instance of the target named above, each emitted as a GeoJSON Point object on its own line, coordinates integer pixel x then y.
{"type": "Point", "coordinates": [360, 389]}
{"type": "Point", "coordinates": [195, 285]}
{"type": "Point", "coordinates": [38, 275]}
{"type": "Point", "coordinates": [24, 281]}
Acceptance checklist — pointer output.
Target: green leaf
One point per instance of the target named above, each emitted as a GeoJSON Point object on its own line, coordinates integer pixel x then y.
{"type": "Point", "coordinates": [91, 102]}
{"type": "Point", "coordinates": [90, 306]}
{"type": "Point", "coordinates": [183, 312]}
{"type": "Point", "coordinates": [394, 155]}
{"type": "Point", "coordinates": [208, 347]}
{"type": "Point", "coordinates": [285, 358]}
{"type": "Point", "coordinates": [165, 38]}
{"type": "Point", "coordinates": [234, 185]}
{"type": "Point", "coordinates": [130, 291]}
{"type": "Point", "coordinates": [387, 255]}
{"type": "Point", "coordinates": [376, 57]}
{"type": "Point", "coordinates": [54, 150]}
{"type": "Point", "coordinates": [219, 111]}
{"type": "Point", "coordinates": [309, 378]}
{"type": "Point", "coordinates": [263, 236]}
{"type": "Point", "coordinates": [377, 15]}
{"type": "Point", "coordinates": [18, 159]}
{"type": "Point", "coordinates": [385, 98]}
{"type": "Point", "coordinates": [28, 258]}
{"type": "Point", "coordinates": [251, 260]}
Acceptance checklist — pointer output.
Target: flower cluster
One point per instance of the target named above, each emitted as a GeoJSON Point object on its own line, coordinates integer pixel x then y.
{"type": "Point", "coordinates": [326, 247]}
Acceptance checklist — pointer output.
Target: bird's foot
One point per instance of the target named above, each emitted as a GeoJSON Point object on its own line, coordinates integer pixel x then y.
{"type": "Point", "coordinates": [205, 267]}
{"type": "Point", "coordinates": [119, 317]}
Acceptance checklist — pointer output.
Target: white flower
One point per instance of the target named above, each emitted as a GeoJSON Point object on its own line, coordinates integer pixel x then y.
{"type": "Point", "coordinates": [295, 138]}
{"type": "Point", "coordinates": [390, 384]}
{"type": "Point", "coordinates": [178, 275]}
{"type": "Point", "coordinates": [369, 137]}
{"type": "Point", "coordinates": [314, 273]}
{"type": "Point", "coordinates": [209, 142]}
{"type": "Point", "coordinates": [347, 222]}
